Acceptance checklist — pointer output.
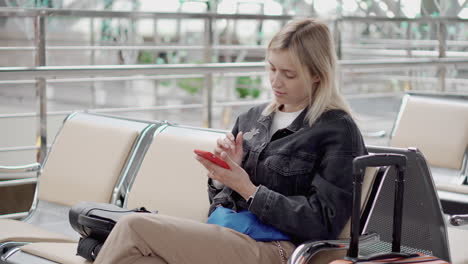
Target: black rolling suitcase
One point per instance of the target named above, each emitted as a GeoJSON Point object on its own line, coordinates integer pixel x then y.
{"type": "Point", "coordinates": [396, 256]}
{"type": "Point", "coordinates": [94, 222]}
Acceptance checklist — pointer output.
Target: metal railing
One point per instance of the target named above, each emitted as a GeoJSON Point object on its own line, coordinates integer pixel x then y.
{"type": "Point", "coordinates": [42, 74]}
{"type": "Point", "coordinates": [59, 73]}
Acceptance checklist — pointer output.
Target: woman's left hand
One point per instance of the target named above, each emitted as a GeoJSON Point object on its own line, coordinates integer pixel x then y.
{"type": "Point", "coordinates": [235, 178]}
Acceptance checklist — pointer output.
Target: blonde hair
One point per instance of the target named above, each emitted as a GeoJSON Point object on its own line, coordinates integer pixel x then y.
{"type": "Point", "coordinates": [311, 48]}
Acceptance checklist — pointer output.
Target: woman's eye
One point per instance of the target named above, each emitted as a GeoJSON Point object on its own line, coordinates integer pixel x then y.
{"type": "Point", "coordinates": [290, 76]}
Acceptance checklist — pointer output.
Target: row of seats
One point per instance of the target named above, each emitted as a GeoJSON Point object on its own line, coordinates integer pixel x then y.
{"type": "Point", "coordinates": [110, 160]}
{"type": "Point", "coordinates": [134, 163]}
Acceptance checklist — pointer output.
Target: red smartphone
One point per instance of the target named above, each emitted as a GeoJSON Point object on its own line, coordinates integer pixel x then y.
{"type": "Point", "coordinates": [211, 157]}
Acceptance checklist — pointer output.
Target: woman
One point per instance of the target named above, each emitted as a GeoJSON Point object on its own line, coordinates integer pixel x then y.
{"type": "Point", "coordinates": [290, 166]}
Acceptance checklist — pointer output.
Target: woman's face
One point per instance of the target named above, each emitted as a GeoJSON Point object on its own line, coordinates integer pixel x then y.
{"type": "Point", "coordinates": [288, 86]}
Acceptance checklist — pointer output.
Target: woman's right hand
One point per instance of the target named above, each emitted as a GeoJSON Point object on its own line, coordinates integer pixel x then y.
{"type": "Point", "coordinates": [232, 146]}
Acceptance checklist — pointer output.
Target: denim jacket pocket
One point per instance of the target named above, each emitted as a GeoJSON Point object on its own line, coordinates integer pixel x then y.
{"type": "Point", "coordinates": [290, 165]}
{"type": "Point", "coordinates": [291, 173]}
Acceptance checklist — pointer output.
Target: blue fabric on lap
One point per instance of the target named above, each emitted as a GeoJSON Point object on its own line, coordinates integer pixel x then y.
{"type": "Point", "coordinates": [247, 223]}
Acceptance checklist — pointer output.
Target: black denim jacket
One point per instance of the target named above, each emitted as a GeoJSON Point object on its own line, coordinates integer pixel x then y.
{"type": "Point", "coordinates": [304, 173]}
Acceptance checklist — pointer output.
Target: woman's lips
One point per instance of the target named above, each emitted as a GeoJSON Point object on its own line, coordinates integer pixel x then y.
{"type": "Point", "coordinates": [278, 93]}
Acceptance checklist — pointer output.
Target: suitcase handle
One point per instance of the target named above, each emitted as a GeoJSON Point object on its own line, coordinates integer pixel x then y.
{"type": "Point", "coordinates": [359, 165]}
{"type": "Point", "coordinates": [378, 160]}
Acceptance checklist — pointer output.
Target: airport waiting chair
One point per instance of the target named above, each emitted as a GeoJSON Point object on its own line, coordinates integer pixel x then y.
{"type": "Point", "coordinates": [88, 161]}
{"type": "Point", "coordinates": [438, 126]}
{"type": "Point", "coordinates": [170, 173]}
{"type": "Point", "coordinates": [167, 174]}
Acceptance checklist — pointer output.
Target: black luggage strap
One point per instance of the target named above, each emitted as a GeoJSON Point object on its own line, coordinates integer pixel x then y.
{"type": "Point", "coordinates": [104, 224]}
{"type": "Point", "coordinates": [95, 222]}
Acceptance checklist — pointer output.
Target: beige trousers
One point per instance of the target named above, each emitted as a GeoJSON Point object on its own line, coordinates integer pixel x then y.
{"type": "Point", "coordinates": [150, 238]}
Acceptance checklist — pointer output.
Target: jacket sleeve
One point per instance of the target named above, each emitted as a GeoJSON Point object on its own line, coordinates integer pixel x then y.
{"type": "Point", "coordinates": [212, 190]}
{"type": "Point", "coordinates": [322, 214]}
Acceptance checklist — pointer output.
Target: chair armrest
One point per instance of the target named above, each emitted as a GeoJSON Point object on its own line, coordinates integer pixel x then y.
{"type": "Point", "coordinates": [17, 182]}
{"type": "Point", "coordinates": [25, 168]}
{"type": "Point", "coordinates": [303, 253]}
{"type": "Point", "coordinates": [459, 220]}
{"type": "Point", "coordinates": [14, 216]}
{"type": "Point", "coordinates": [7, 246]}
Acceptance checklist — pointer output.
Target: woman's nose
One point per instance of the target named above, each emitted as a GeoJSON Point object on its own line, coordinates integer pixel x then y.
{"type": "Point", "coordinates": [275, 79]}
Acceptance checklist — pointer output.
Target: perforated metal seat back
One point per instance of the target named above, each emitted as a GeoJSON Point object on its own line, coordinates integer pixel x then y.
{"type": "Point", "coordinates": [423, 229]}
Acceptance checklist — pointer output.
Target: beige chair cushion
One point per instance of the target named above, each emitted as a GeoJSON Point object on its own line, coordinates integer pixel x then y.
{"type": "Point", "coordinates": [446, 176]}
{"type": "Point", "coordinates": [367, 183]}
{"type": "Point", "coordinates": [86, 159]}
{"type": "Point", "coordinates": [437, 127]}
{"type": "Point", "coordinates": [13, 230]}
{"type": "Point", "coordinates": [170, 180]}
{"type": "Point", "coordinates": [57, 252]}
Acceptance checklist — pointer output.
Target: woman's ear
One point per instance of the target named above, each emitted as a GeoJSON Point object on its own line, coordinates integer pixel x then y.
{"type": "Point", "coordinates": [315, 79]}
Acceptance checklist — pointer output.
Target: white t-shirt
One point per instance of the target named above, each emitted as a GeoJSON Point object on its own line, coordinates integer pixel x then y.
{"type": "Point", "coordinates": [282, 120]}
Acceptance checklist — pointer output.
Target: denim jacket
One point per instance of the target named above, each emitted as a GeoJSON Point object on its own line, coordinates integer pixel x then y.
{"type": "Point", "coordinates": [303, 173]}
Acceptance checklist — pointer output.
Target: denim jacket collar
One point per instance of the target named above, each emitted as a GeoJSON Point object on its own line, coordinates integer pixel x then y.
{"type": "Point", "coordinates": [297, 124]}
